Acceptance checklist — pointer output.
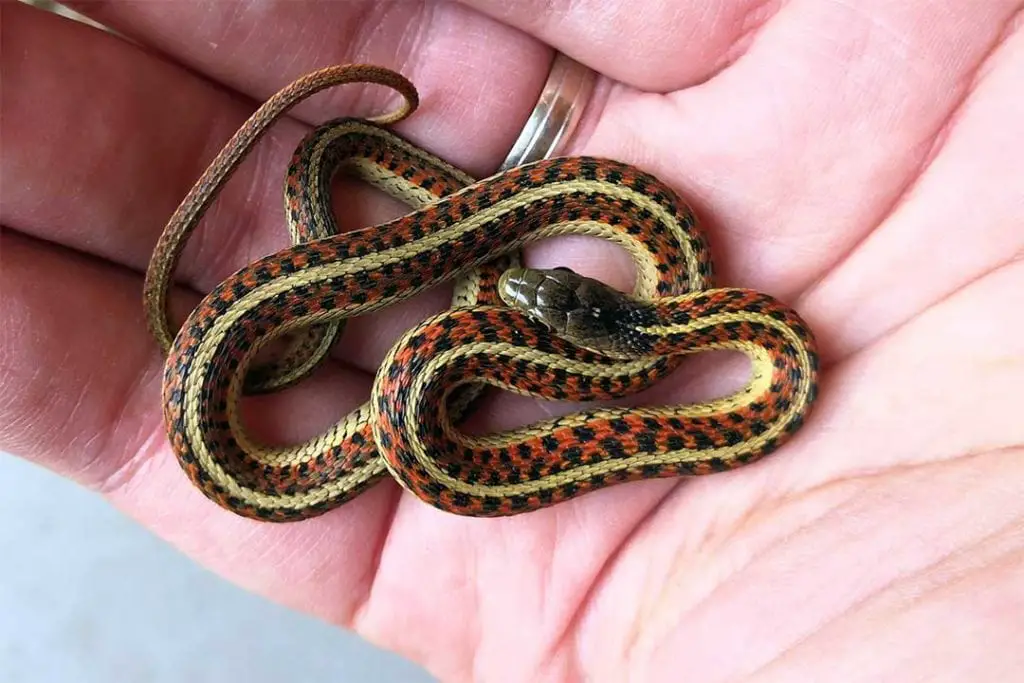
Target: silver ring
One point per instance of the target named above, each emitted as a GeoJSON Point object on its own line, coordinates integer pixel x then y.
{"type": "Point", "coordinates": [558, 111]}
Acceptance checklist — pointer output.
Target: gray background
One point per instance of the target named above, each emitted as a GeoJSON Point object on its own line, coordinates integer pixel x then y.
{"type": "Point", "coordinates": [88, 596]}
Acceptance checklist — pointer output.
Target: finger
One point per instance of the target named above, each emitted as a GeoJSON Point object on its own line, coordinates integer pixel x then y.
{"type": "Point", "coordinates": [127, 157]}
{"type": "Point", "coordinates": [660, 46]}
{"type": "Point", "coordinates": [803, 146]}
{"type": "Point", "coordinates": [106, 182]}
{"type": "Point", "coordinates": [959, 221]}
{"type": "Point", "coordinates": [451, 53]}
{"type": "Point", "coordinates": [80, 395]}
{"type": "Point", "coordinates": [98, 402]}
{"type": "Point", "coordinates": [949, 376]}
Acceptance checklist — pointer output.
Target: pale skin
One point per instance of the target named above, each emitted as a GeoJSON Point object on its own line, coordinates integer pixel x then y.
{"type": "Point", "coordinates": [860, 161]}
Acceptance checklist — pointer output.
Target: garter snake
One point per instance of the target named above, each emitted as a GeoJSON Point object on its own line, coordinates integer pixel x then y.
{"type": "Point", "coordinates": [545, 333]}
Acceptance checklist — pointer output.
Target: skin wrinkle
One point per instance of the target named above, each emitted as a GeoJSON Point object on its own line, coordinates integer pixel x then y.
{"type": "Point", "coordinates": [867, 348]}
{"type": "Point", "coordinates": [636, 627]}
{"type": "Point", "coordinates": [134, 462]}
{"type": "Point", "coordinates": [275, 558]}
{"type": "Point", "coordinates": [271, 557]}
{"type": "Point", "coordinates": [234, 17]}
{"type": "Point", "coordinates": [361, 604]}
{"type": "Point", "coordinates": [551, 20]}
{"type": "Point", "coordinates": [100, 437]}
{"type": "Point", "coordinates": [876, 474]}
{"type": "Point", "coordinates": [947, 296]}
{"type": "Point", "coordinates": [121, 479]}
{"type": "Point", "coordinates": [293, 556]}
{"type": "Point", "coordinates": [957, 555]}
{"type": "Point", "coordinates": [549, 580]}
{"type": "Point", "coordinates": [547, 658]}
{"type": "Point", "coordinates": [554, 658]}
{"type": "Point", "coordinates": [366, 30]}
{"type": "Point", "coordinates": [874, 22]}
{"type": "Point", "coordinates": [559, 648]}
{"type": "Point", "coordinates": [968, 632]}
{"type": "Point", "coordinates": [27, 244]}
{"type": "Point", "coordinates": [606, 567]}
{"type": "Point", "coordinates": [9, 366]}
{"type": "Point", "coordinates": [357, 38]}
{"type": "Point", "coordinates": [917, 575]}
{"type": "Point", "coordinates": [924, 570]}
{"type": "Point", "coordinates": [101, 479]}
{"type": "Point", "coordinates": [757, 16]}
{"type": "Point", "coordinates": [935, 145]}
{"type": "Point", "coordinates": [983, 70]}
{"type": "Point", "coordinates": [418, 21]}
{"type": "Point", "coordinates": [15, 430]}
{"type": "Point", "coordinates": [722, 583]}
{"type": "Point", "coordinates": [899, 465]}
{"type": "Point", "coordinates": [814, 630]}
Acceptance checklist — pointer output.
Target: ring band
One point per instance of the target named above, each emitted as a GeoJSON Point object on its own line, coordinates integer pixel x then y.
{"type": "Point", "coordinates": [558, 111]}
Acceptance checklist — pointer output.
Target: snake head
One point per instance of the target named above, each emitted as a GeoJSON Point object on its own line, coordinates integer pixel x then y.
{"type": "Point", "coordinates": [585, 311]}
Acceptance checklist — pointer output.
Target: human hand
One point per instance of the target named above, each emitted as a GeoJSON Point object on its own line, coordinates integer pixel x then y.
{"type": "Point", "coordinates": [861, 164]}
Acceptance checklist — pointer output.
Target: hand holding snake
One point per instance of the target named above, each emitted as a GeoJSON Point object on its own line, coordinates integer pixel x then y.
{"type": "Point", "coordinates": [567, 337]}
{"type": "Point", "coordinates": [860, 162]}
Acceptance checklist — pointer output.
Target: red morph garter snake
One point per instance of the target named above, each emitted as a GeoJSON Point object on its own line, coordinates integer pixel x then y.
{"type": "Point", "coordinates": [552, 334]}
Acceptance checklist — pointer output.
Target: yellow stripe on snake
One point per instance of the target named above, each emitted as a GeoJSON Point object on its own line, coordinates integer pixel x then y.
{"type": "Point", "coordinates": [552, 334]}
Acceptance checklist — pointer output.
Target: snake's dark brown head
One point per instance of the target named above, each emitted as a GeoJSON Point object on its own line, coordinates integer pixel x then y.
{"type": "Point", "coordinates": [585, 311]}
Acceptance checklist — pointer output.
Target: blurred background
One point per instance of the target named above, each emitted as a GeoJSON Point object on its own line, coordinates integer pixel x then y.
{"type": "Point", "coordinates": [89, 596]}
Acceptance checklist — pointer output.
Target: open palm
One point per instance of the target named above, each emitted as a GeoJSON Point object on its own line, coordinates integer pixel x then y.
{"type": "Point", "coordinates": [860, 161]}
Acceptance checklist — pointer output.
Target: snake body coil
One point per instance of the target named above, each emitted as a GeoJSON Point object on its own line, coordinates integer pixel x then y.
{"type": "Point", "coordinates": [499, 332]}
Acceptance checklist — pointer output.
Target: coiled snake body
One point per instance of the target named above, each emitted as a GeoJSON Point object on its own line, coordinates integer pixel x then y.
{"type": "Point", "coordinates": [552, 334]}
